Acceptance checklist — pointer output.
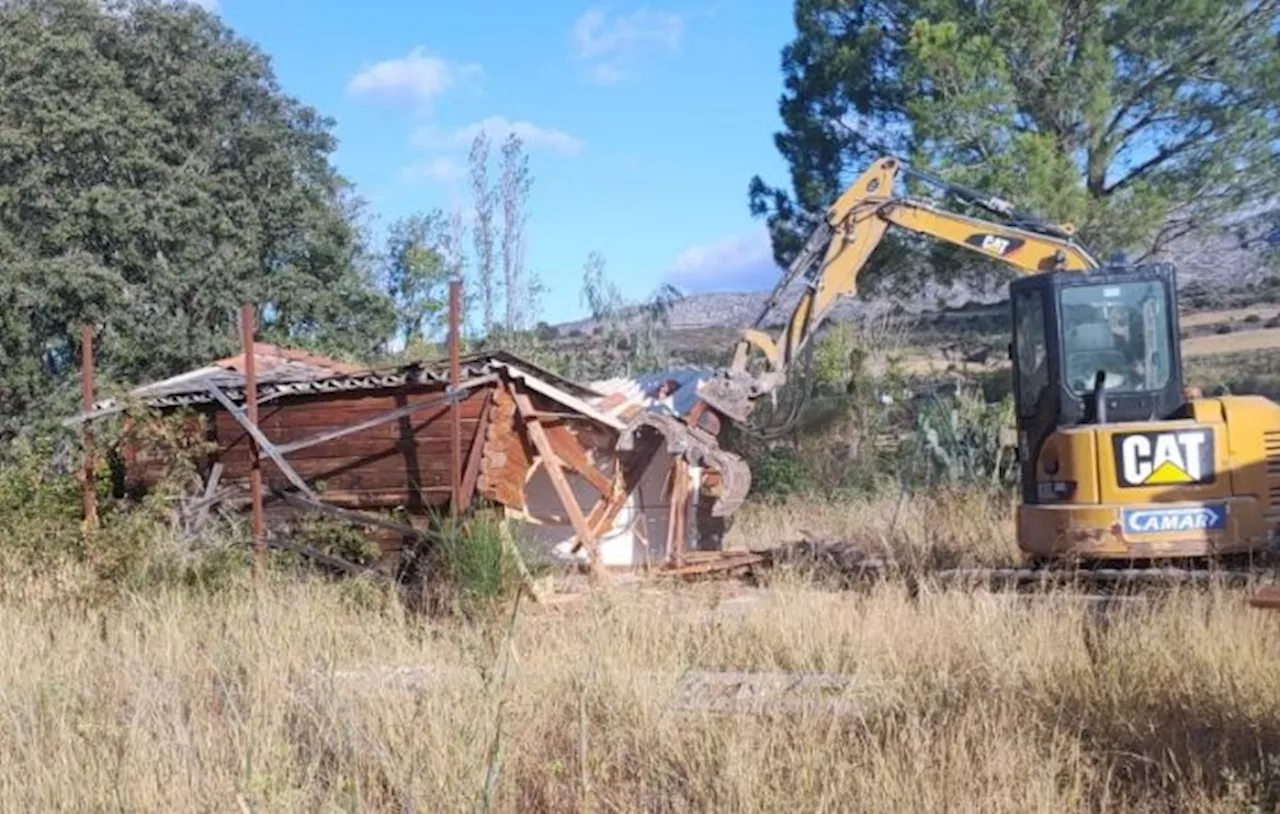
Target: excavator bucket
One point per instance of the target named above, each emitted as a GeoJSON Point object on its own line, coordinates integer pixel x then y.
{"type": "Point", "coordinates": [699, 448]}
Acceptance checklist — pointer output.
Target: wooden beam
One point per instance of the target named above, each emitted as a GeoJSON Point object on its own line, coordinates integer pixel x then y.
{"type": "Point", "coordinates": [572, 454]}
{"type": "Point", "coordinates": [326, 559]}
{"type": "Point", "coordinates": [621, 489]}
{"type": "Point", "coordinates": [676, 520]}
{"type": "Point", "coordinates": [261, 440]}
{"type": "Point", "coordinates": [602, 515]}
{"type": "Point", "coordinates": [217, 497]}
{"type": "Point", "coordinates": [556, 473]}
{"type": "Point", "coordinates": [472, 474]}
{"type": "Point", "coordinates": [210, 491]}
{"type": "Point", "coordinates": [353, 517]}
{"type": "Point", "coordinates": [250, 421]}
{"type": "Point", "coordinates": [455, 417]}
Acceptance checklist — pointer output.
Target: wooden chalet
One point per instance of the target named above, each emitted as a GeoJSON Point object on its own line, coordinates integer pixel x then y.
{"type": "Point", "coordinates": [591, 476]}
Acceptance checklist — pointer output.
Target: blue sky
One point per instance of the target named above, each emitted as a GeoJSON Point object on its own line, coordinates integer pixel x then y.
{"type": "Point", "coordinates": [643, 123]}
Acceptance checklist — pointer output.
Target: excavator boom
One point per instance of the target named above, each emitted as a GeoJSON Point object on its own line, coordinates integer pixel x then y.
{"type": "Point", "coordinates": [839, 249]}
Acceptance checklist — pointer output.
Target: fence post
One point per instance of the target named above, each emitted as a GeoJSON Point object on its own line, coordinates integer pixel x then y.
{"type": "Point", "coordinates": [455, 409]}
{"type": "Point", "coordinates": [247, 320]}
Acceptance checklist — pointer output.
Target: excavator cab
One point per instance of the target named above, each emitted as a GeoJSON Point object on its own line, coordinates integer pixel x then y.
{"type": "Point", "coordinates": [1093, 349]}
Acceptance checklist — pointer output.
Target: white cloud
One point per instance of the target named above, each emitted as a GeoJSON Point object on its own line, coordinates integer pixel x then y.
{"type": "Point", "coordinates": [442, 169]}
{"type": "Point", "coordinates": [608, 47]}
{"type": "Point", "coordinates": [416, 79]}
{"type": "Point", "coordinates": [534, 136]}
{"type": "Point", "coordinates": [742, 262]}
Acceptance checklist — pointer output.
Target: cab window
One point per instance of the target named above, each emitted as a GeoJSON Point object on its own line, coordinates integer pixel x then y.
{"type": "Point", "coordinates": [1121, 330]}
{"type": "Point", "coordinates": [1031, 349]}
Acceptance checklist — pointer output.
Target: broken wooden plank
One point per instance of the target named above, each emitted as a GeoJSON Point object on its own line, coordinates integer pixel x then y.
{"type": "Point", "coordinates": [263, 442]}
{"type": "Point", "coordinates": [509, 544]}
{"type": "Point", "coordinates": [679, 497]}
{"type": "Point", "coordinates": [711, 566]}
{"type": "Point", "coordinates": [210, 491]}
{"type": "Point", "coordinates": [555, 472]}
{"type": "Point", "coordinates": [321, 557]}
{"type": "Point", "coordinates": [353, 517]}
{"type": "Point", "coordinates": [571, 452]}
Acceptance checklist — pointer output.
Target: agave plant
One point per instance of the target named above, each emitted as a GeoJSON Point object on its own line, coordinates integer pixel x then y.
{"type": "Point", "coordinates": [960, 436]}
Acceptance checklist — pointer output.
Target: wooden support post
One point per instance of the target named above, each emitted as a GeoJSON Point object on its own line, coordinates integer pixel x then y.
{"type": "Point", "coordinates": [251, 416]}
{"type": "Point", "coordinates": [89, 496]}
{"type": "Point", "coordinates": [676, 523]}
{"type": "Point", "coordinates": [555, 471]}
{"type": "Point", "coordinates": [455, 414]}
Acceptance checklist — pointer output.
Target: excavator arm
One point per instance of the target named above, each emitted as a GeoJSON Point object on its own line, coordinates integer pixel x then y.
{"type": "Point", "coordinates": [839, 248]}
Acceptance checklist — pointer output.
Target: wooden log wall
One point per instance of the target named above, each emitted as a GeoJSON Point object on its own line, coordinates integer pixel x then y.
{"type": "Point", "coordinates": [401, 463]}
{"type": "Point", "coordinates": [404, 462]}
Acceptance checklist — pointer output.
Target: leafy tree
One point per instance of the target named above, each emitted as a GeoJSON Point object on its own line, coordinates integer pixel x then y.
{"type": "Point", "coordinates": [482, 233]}
{"type": "Point", "coordinates": [1138, 122]}
{"type": "Point", "coordinates": [152, 176]}
{"type": "Point", "coordinates": [416, 275]}
{"type": "Point", "coordinates": [513, 189]}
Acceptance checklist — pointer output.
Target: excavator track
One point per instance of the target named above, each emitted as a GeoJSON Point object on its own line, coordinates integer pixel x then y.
{"type": "Point", "coordinates": [847, 565]}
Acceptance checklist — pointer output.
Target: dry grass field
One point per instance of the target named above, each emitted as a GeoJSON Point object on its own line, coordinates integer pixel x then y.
{"type": "Point", "coordinates": [325, 696]}
{"type": "Point", "coordinates": [320, 695]}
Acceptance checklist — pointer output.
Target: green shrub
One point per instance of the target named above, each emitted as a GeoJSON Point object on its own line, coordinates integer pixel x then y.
{"type": "Point", "coordinates": [139, 542]}
{"type": "Point", "coordinates": [478, 567]}
{"type": "Point", "coordinates": [779, 472]}
{"type": "Point", "coordinates": [338, 538]}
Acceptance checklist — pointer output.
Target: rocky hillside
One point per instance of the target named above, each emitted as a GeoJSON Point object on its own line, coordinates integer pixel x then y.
{"type": "Point", "coordinates": [1238, 258]}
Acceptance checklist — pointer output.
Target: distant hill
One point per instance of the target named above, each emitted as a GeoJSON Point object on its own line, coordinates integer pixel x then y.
{"type": "Point", "coordinates": [1238, 259]}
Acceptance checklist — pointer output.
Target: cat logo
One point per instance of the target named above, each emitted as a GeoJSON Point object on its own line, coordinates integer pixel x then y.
{"type": "Point", "coordinates": [1164, 458]}
{"type": "Point", "coordinates": [995, 244]}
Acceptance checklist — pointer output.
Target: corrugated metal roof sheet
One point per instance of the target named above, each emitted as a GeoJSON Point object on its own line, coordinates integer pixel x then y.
{"type": "Point", "coordinates": [669, 391]}
{"type": "Point", "coordinates": [283, 372]}
{"type": "Point", "coordinates": [272, 365]}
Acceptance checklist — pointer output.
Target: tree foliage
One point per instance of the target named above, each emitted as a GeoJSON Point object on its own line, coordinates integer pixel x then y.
{"type": "Point", "coordinates": [416, 274]}
{"type": "Point", "coordinates": [482, 231]}
{"type": "Point", "coordinates": [152, 176]}
{"type": "Point", "coordinates": [1138, 122]}
{"type": "Point", "coordinates": [513, 189]}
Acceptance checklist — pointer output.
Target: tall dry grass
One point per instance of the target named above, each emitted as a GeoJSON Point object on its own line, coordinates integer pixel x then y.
{"type": "Point", "coordinates": [320, 696]}
{"type": "Point", "coordinates": [946, 528]}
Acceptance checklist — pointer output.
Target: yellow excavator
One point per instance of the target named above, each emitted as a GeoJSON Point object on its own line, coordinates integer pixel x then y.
{"type": "Point", "coordinates": [1117, 460]}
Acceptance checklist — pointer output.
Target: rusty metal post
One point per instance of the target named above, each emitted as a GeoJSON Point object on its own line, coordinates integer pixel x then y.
{"type": "Point", "coordinates": [247, 320]}
{"type": "Point", "coordinates": [455, 410]}
{"type": "Point", "coordinates": [86, 403]}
